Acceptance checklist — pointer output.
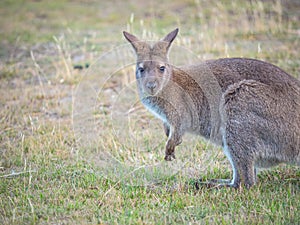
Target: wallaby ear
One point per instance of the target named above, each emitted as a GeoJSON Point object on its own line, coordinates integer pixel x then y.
{"type": "Point", "coordinates": [134, 41]}
{"type": "Point", "coordinates": [170, 37]}
{"type": "Point", "coordinates": [130, 37]}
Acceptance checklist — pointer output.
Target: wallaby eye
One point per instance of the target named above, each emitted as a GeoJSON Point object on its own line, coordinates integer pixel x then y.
{"type": "Point", "coordinates": [141, 69]}
{"type": "Point", "coordinates": [162, 69]}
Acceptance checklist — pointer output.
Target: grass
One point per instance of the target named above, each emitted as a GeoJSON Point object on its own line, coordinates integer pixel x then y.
{"type": "Point", "coordinates": [52, 175]}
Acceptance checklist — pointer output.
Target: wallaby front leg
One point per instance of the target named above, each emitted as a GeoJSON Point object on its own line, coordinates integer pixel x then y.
{"type": "Point", "coordinates": [175, 138]}
{"type": "Point", "coordinates": [167, 129]}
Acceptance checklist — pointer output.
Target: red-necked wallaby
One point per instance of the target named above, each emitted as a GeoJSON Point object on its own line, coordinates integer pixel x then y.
{"type": "Point", "coordinates": [250, 107]}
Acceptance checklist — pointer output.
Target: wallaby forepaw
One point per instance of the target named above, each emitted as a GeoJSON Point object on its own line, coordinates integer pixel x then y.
{"type": "Point", "coordinates": [170, 157]}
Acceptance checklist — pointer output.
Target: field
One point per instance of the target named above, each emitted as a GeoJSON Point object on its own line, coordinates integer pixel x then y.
{"type": "Point", "coordinates": [77, 147]}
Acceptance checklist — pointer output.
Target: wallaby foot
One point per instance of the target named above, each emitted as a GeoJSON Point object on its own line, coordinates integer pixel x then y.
{"type": "Point", "coordinates": [217, 183]}
{"type": "Point", "coordinates": [220, 181]}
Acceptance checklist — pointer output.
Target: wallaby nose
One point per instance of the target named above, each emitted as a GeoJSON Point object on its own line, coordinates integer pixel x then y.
{"type": "Point", "coordinates": [151, 85]}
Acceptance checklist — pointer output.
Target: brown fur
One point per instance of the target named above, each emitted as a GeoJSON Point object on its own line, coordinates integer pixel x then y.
{"type": "Point", "coordinates": [250, 107]}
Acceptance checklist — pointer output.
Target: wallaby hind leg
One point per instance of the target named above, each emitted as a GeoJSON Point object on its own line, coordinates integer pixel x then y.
{"type": "Point", "coordinates": [246, 171]}
{"type": "Point", "coordinates": [239, 111]}
{"type": "Point", "coordinates": [242, 165]}
{"type": "Point", "coordinates": [248, 176]}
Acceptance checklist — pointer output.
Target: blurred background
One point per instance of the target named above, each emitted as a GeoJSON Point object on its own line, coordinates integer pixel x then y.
{"type": "Point", "coordinates": [267, 29]}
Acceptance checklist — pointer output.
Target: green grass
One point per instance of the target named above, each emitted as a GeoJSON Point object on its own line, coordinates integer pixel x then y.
{"type": "Point", "coordinates": [47, 176]}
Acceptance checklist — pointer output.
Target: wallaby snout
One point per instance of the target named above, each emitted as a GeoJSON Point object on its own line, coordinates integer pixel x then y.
{"type": "Point", "coordinates": [151, 84]}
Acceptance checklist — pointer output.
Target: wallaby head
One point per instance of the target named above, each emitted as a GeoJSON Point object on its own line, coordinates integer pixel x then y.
{"type": "Point", "coordinates": [152, 69]}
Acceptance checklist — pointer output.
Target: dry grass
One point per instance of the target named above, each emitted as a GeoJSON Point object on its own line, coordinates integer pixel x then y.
{"type": "Point", "coordinates": [109, 169]}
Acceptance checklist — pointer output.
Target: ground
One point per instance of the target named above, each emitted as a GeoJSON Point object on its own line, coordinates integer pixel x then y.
{"type": "Point", "coordinates": [49, 171]}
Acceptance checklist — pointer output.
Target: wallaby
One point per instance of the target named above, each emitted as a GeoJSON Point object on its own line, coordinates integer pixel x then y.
{"type": "Point", "coordinates": [250, 107]}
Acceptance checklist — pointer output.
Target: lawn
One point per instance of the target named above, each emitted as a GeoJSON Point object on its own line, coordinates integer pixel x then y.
{"type": "Point", "coordinates": [77, 147]}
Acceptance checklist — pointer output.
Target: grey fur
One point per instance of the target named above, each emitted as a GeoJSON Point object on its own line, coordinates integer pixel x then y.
{"type": "Point", "coordinates": [250, 107]}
